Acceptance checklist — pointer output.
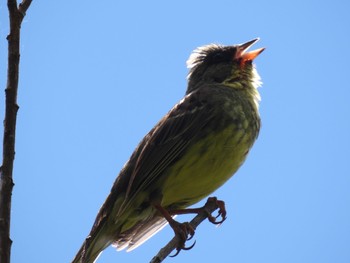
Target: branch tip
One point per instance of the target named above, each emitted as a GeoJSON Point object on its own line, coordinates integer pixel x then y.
{"type": "Point", "coordinates": [23, 7]}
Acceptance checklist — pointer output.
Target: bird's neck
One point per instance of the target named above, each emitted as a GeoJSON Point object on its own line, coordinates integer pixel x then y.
{"type": "Point", "coordinates": [247, 85]}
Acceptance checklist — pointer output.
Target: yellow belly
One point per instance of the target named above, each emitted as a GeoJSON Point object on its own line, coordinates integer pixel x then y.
{"type": "Point", "coordinates": [205, 167]}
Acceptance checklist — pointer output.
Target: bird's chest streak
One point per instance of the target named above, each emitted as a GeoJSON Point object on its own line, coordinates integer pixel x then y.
{"type": "Point", "coordinates": [206, 165]}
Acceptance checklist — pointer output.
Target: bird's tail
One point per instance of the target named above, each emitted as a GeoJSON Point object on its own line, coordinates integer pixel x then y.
{"type": "Point", "coordinates": [93, 245]}
{"type": "Point", "coordinates": [89, 252]}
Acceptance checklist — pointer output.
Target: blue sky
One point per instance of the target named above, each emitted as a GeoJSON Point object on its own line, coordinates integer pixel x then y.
{"type": "Point", "coordinates": [96, 76]}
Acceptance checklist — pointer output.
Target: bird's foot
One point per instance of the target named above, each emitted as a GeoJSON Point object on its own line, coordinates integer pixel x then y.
{"type": "Point", "coordinates": [185, 232]}
{"type": "Point", "coordinates": [211, 202]}
{"type": "Point", "coordinates": [221, 213]}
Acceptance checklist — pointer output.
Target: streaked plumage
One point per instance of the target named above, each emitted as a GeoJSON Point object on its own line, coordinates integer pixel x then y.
{"type": "Point", "coordinates": [192, 151]}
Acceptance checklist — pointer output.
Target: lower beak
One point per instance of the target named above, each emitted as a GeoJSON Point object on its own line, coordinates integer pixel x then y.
{"type": "Point", "coordinates": [248, 56]}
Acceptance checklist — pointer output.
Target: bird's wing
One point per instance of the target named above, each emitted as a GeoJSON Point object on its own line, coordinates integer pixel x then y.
{"type": "Point", "coordinates": [167, 142]}
{"type": "Point", "coordinates": [159, 149]}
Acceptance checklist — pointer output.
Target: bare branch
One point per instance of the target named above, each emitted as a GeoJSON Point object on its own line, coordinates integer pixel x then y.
{"type": "Point", "coordinates": [23, 7]}
{"type": "Point", "coordinates": [12, 6]}
{"type": "Point", "coordinates": [210, 206]}
{"type": "Point", "coordinates": [11, 108]}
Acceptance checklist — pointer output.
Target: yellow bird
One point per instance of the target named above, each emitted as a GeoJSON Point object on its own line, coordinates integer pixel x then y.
{"type": "Point", "coordinates": [193, 150]}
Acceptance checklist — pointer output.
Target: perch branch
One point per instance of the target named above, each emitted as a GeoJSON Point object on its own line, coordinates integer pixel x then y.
{"type": "Point", "coordinates": [210, 206]}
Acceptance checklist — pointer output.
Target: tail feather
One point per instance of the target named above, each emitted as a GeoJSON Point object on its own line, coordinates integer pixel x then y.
{"type": "Point", "coordinates": [99, 239]}
{"type": "Point", "coordinates": [104, 234]}
{"type": "Point", "coordinates": [88, 253]}
{"type": "Point", "coordinates": [139, 234]}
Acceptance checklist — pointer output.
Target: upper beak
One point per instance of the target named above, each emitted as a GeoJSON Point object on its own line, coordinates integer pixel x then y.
{"type": "Point", "coordinates": [248, 56]}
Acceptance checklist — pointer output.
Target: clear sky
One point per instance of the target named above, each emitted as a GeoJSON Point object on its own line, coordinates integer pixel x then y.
{"type": "Point", "coordinates": [95, 76]}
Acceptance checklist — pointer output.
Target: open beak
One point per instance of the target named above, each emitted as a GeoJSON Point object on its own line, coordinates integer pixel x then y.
{"type": "Point", "coordinates": [244, 56]}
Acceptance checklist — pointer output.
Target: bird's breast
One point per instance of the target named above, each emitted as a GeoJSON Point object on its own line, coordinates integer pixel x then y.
{"type": "Point", "coordinates": [211, 161]}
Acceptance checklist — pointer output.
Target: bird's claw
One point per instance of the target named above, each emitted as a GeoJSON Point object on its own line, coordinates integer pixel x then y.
{"type": "Point", "coordinates": [178, 249]}
{"type": "Point", "coordinates": [185, 232]}
{"type": "Point", "coordinates": [221, 213]}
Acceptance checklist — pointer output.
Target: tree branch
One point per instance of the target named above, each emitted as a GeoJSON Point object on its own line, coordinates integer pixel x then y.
{"type": "Point", "coordinates": [23, 7]}
{"type": "Point", "coordinates": [210, 206]}
{"type": "Point", "coordinates": [6, 182]}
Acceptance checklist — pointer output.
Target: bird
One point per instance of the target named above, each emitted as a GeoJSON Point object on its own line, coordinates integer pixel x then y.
{"type": "Point", "coordinates": [192, 151]}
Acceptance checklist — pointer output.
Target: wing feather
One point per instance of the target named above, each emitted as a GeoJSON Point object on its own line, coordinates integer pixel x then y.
{"type": "Point", "coordinates": [167, 142]}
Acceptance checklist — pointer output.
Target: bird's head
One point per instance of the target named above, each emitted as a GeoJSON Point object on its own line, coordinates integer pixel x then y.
{"type": "Point", "coordinates": [228, 65]}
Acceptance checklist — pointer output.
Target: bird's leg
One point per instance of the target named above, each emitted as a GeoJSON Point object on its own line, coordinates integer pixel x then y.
{"type": "Point", "coordinates": [183, 230]}
{"type": "Point", "coordinates": [220, 204]}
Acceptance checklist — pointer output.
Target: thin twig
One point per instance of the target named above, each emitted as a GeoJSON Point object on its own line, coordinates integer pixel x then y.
{"type": "Point", "coordinates": [6, 182]}
{"type": "Point", "coordinates": [210, 206]}
{"type": "Point", "coordinates": [23, 7]}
